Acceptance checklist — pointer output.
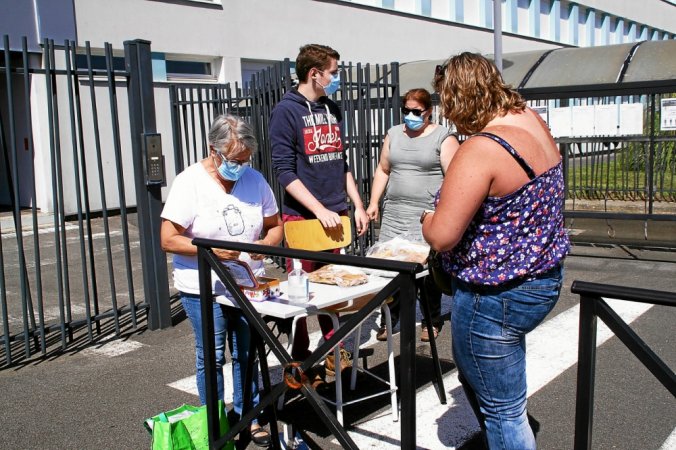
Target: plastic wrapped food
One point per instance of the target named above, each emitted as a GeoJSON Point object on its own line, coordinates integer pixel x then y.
{"type": "Point", "coordinates": [343, 276]}
{"type": "Point", "coordinates": [398, 249]}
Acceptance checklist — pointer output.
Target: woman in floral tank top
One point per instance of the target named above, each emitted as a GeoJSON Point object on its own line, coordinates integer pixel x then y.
{"type": "Point", "coordinates": [499, 225]}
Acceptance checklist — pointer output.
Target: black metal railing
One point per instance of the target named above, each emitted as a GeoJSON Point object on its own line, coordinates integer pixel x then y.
{"type": "Point", "coordinates": [592, 306]}
{"type": "Point", "coordinates": [403, 283]}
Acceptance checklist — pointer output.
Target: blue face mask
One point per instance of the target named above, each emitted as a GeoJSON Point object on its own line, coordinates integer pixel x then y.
{"type": "Point", "coordinates": [414, 122]}
{"type": "Point", "coordinates": [231, 170]}
{"type": "Point", "coordinates": [333, 85]}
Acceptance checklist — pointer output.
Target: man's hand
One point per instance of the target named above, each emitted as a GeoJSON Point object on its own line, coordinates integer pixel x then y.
{"type": "Point", "coordinates": [329, 219]}
{"type": "Point", "coordinates": [361, 221]}
{"type": "Point", "coordinates": [372, 211]}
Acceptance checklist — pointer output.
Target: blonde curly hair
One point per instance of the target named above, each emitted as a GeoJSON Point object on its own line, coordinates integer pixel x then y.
{"type": "Point", "coordinates": [472, 92]}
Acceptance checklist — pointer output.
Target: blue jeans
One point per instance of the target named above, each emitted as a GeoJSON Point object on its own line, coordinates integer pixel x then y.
{"type": "Point", "coordinates": [239, 340]}
{"type": "Point", "coordinates": [488, 328]}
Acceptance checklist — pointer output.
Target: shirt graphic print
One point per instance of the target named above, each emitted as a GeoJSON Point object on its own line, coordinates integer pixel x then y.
{"type": "Point", "coordinates": [321, 138]}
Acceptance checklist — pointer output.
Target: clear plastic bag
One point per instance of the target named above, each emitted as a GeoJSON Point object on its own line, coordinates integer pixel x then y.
{"type": "Point", "coordinates": [400, 249]}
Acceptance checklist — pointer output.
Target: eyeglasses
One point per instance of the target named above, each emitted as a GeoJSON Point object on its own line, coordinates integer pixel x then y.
{"type": "Point", "coordinates": [232, 162]}
{"type": "Point", "coordinates": [416, 112]}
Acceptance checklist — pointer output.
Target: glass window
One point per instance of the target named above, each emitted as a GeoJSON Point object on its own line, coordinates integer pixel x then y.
{"type": "Point", "coordinates": [186, 68]}
{"type": "Point", "coordinates": [99, 62]}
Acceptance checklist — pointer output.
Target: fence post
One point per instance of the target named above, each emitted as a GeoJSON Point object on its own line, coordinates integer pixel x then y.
{"type": "Point", "coordinates": [586, 368]}
{"type": "Point", "coordinates": [148, 194]}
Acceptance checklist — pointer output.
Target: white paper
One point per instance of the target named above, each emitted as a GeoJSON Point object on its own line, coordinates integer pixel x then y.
{"type": "Point", "coordinates": [668, 114]}
{"type": "Point", "coordinates": [631, 118]}
{"type": "Point", "coordinates": [606, 120]}
{"type": "Point", "coordinates": [583, 120]}
{"type": "Point", "coordinates": [560, 121]}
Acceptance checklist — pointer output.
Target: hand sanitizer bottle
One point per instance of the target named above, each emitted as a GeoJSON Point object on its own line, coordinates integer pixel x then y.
{"type": "Point", "coordinates": [298, 283]}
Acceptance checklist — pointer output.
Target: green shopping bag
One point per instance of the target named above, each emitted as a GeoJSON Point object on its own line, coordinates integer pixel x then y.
{"type": "Point", "coordinates": [185, 428]}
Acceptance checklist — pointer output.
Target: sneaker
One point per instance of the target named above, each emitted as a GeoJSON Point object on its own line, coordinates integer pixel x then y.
{"type": "Point", "coordinates": [381, 335]}
{"type": "Point", "coordinates": [425, 335]}
{"type": "Point", "coordinates": [345, 362]}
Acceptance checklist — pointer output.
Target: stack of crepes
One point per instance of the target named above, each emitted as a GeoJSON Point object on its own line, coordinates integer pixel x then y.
{"type": "Point", "coordinates": [343, 276]}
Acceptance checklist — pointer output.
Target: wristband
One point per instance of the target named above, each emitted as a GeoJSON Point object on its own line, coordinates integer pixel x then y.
{"type": "Point", "coordinates": [424, 214]}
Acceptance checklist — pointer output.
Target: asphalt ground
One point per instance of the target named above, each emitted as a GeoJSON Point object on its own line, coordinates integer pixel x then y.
{"type": "Point", "coordinates": [97, 396]}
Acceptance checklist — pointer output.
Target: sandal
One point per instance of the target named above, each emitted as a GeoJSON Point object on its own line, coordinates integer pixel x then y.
{"type": "Point", "coordinates": [260, 437]}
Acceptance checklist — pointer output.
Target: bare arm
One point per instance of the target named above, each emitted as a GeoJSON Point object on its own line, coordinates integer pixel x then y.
{"type": "Point", "coordinates": [273, 232]}
{"type": "Point", "coordinates": [464, 189]}
{"type": "Point", "coordinates": [448, 150]}
{"type": "Point", "coordinates": [173, 240]}
{"type": "Point", "coordinates": [360, 218]}
{"type": "Point", "coordinates": [380, 180]}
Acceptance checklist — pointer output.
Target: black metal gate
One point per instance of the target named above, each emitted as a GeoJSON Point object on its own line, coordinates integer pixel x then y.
{"type": "Point", "coordinates": [71, 240]}
{"type": "Point", "coordinates": [369, 99]}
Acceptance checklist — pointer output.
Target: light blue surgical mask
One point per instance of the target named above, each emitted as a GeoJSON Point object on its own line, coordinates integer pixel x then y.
{"type": "Point", "coordinates": [333, 85]}
{"type": "Point", "coordinates": [414, 122]}
{"type": "Point", "coordinates": [231, 170]}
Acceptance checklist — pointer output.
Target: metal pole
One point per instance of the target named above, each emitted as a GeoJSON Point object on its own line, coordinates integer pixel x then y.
{"type": "Point", "coordinates": [586, 368]}
{"type": "Point", "coordinates": [497, 34]}
{"type": "Point", "coordinates": [148, 196]}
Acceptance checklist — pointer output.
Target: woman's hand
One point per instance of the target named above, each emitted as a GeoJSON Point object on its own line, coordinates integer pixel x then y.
{"type": "Point", "coordinates": [224, 255]}
{"type": "Point", "coordinates": [257, 256]}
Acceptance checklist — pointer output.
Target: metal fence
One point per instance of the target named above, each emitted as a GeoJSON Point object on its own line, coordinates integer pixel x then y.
{"type": "Point", "coordinates": [71, 264]}
{"type": "Point", "coordinates": [369, 100]}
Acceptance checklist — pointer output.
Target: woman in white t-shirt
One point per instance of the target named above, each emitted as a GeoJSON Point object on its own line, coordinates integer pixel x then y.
{"type": "Point", "coordinates": [221, 198]}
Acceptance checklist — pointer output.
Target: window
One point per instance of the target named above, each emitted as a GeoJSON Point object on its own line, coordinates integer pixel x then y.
{"type": "Point", "coordinates": [173, 67]}
{"type": "Point", "coordinates": [99, 62]}
{"type": "Point", "coordinates": [189, 69]}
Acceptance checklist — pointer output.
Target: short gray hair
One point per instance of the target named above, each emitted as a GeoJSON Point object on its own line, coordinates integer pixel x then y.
{"type": "Point", "coordinates": [227, 129]}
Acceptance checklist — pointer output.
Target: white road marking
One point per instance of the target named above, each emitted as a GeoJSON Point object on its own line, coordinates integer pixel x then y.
{"type": "Point", "coordinates": [670, 443]}
{"type": "Point", "coordinates": [551, 349]}
{"type": "Point", "coordinates": [113, 348]}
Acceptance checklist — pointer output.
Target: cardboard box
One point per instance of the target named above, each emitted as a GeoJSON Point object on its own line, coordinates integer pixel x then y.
{"type": "Point", "coordinates": [265, 288]}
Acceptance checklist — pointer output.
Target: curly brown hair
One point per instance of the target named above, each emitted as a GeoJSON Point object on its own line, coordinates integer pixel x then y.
{"type": "Point", "coordinates": [472, 92]}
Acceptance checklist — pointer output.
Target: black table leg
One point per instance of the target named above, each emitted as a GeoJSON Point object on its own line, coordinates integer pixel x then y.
{"type": "Point", "coordinates": [407, 296]}
{"type": "Point", "coordinates": [436, 364]}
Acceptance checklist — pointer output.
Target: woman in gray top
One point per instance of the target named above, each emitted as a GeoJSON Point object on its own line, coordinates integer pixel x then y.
{"type": "Point", "coordinates": [412, 164]}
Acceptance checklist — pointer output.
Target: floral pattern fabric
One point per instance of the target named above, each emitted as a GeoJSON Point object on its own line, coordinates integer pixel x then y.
{"type": "Point", "coordinates": [516, 236]}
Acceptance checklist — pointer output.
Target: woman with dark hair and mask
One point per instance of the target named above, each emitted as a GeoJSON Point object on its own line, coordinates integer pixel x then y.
{"type": "Point", "coordinates": [221, 198]}
{"type": "Point", "coordinates": [499, 225]}
{"type": "Point", "coordinates": [412, 164]}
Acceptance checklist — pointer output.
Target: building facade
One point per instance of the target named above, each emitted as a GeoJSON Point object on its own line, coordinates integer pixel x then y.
{"type": "Point", "coordinates": [220, 41]}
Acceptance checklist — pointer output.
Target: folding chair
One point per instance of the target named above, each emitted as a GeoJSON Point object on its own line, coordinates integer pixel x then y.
{"type": "Point", "coordinates": [310, 235]}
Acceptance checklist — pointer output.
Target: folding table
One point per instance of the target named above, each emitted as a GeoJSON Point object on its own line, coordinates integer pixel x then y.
{"type": "Point", "coordinates": [403, 284]}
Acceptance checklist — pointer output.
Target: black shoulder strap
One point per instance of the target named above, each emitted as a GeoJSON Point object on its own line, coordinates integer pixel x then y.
{"type": "Point", "coordinates": [522, 162]}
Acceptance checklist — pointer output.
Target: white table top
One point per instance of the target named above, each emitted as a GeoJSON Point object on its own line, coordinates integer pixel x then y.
{"type": "Point", "coordinates": [321, 296]}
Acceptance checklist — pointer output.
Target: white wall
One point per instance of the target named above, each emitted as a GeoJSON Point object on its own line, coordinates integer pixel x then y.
{"type": "Point", "coordinates": [273, 30]}
{"type": "Point", "coordinates": [655, 13]}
